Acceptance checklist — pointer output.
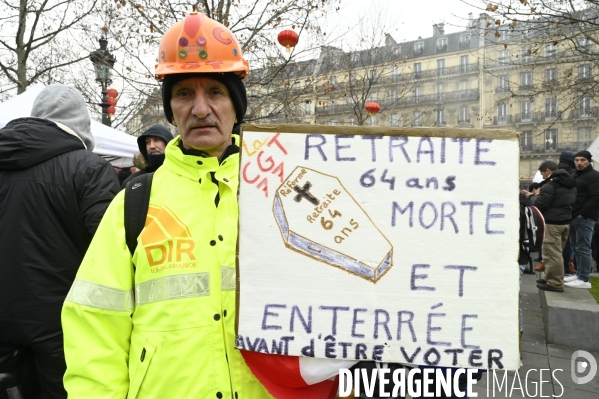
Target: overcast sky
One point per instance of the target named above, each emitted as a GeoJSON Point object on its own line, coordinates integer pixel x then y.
{"type": "Point", "coordinates": [405, 20]}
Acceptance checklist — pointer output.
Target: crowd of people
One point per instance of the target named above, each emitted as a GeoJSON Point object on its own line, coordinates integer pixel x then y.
{"type": "Point", "coordinates": [568, 199]}
{"type": "Point", "coordinates": [84, 313]}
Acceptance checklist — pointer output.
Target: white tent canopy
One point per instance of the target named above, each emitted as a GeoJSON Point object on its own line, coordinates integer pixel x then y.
{"type": "Point", "coordinates": [115, 146]}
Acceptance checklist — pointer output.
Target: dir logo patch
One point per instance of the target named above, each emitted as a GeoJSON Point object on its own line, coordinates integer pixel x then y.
{"type": "Point", "coordinates": [583, 367]}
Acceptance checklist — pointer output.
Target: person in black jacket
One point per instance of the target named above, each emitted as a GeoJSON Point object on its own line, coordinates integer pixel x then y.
{"type": "Point", "coordinates": [558, 193]}
{"type": "Point", "coordinates": [566, 162]}
{"type": "Point", "coordinates": [151, 145]}
{"type": "Point", "coordinates": [584, 217]}
{"type": "Point", "coordinates": [53, 194]}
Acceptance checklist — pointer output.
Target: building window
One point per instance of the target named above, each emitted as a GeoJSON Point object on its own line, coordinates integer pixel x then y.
{"type": "Point", "coordinates": [502, 116]}
{"type": "Point", "coordinates": [526, 80]}
{"type": "Point", "coordinates": [418, 48]}
{"type": "Point", "coordinates": [352, 78]}
{"type": "Point", "coordinates": [417, 70]}
{"type": "Point", "coordinates": [502, 37]}
{"type": "Point", "coordinates": [550, 50]}
{"type": "Point", "coordinates": [439, 88]}
{"type": "Point", "coordinates": [373, 121]}
{"type": "Point", "coordinates": [307, 109]}
{"type": "Point", "coordinates": [551, 140]}
{"type": "Point", "coordinates": [417, 119]}
{"type": "Point", "coordinates": [394, 73]}
{"type": "Point", "coordinates": [503, 84]}
{"type": "Point", "coordinates": [397, 50]}
{"type": "Point", "coordinates": [417, 92]}
{"type": "Point", "coordinates": [503, 57]}
{"type": "Point", "coordinates": [393, 95]}
{"type": "Point", "coordinates": [333, 80]}
{"type": "Point", "coordinates": [526, 141]}
{"type": "Point", "coordinates": [464, 114]}
{"type": "Point", "coordinates": [441, 44]}
{"type": "Point", "coordinates": [332, 122]}
{"type": "Point", "coordinates": [440, 117]}
{"type": "Point", "coordinates": [551, 107]}
{"type": "Point", "coordinates": [584, 71]}
{"type": "Point", "coordinates": [583, 42]}
{"type": "Point", "coordinates": [551, 75]}
{"type": "Point", "coordinates": [584, 136]}
{"type": "Point", "coordinates": [394, 120]}
{"type": "Point", "coordinates": [464, 41]}
{"type": "Point", "coordinates": [463, 85]}
{"type": "Point", "coordinates": [352, 121]}
{"type": "Point", "coordinates": [296, 85]}
{"type": "Point", "coordinates": [526, 111]}
{"type": "Point", "coordinates": [584, 106]}
{"type": "Point", "coordinates": [526, 55]}
{"type": "Point", "coordinates": [440, 67]}
{"type": "Point", "coordinates": [464, 63]}
{"type": "Point", "coordinates": [372, 96]}
{"type": "Point", "coordinates": [355, 57]}
{"type": "Point", "coordinates": [372, 74]}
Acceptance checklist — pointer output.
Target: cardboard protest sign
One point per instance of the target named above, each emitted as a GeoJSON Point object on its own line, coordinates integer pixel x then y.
{"type": "Point", "coordinates": [394, 245]}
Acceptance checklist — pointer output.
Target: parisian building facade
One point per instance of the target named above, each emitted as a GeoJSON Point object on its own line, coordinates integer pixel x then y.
{"type": "Point", "coordinates": [485, 77]}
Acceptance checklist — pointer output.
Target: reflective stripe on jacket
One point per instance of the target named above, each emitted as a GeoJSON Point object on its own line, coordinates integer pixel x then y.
{"type": "Point", "coordinates": [165, 329]}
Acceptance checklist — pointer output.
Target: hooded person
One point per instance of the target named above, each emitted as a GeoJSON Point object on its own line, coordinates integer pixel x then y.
{"type": "Point", "coordinates": [151, 144]}
{"type": "Point", "coordinates": [53, 194]}
{"type": "Point", "coordinates": [566, 162]}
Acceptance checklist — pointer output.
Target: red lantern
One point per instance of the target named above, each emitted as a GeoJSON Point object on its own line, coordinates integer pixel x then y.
{"type": "Point", "coordinates": [111, 110]}
{"type": "Point", "coordinates": [111, 101]}
{"type": "Point", "coordinates": [288, 38]}
{"type": "Point", "coordinates": [112, 93]}
{"type": "Point", "coordinates": [372, 108]}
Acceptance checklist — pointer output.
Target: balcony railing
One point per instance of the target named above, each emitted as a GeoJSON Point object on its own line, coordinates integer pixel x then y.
{"type": "Point", "coordinates": [502, 89]}
{"type": "Point", "coordinates": [526, 117]}
{"type": "Point", "coordinates": [449, 96]}
{"type": "Point", "coordinates": [460, 120]}
{"type": "Point", "coordinates": [464, 45]}
{"type": "Point", "coordinates": [502, 120]}
{"type": "Point", "coordinates": [584, 113]}
{"type": "Point", "coordinates": [552, 114]}
{"type": "Point", "coordinates": [419, 51]}
{"type": "Point", "coordinates": [573, 146]}
{"type": "Point", "coordinates": [526, 87]}
{"type": "Point", "coordinates": [431, 73]}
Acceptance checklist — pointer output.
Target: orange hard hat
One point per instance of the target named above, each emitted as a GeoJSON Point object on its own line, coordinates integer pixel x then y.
{"type": "Point", "coordinates": [198, 44]}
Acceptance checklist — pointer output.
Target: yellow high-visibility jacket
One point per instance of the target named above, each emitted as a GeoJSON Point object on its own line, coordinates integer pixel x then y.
{"type": "Point", "coordinates": [165, 329]}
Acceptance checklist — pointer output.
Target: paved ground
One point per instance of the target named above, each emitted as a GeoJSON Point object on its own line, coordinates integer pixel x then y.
{"type": "Point", "coordinates": [538, 354]}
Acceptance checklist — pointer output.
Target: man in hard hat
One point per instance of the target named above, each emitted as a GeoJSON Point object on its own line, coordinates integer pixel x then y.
{"type": "Point", "coordinates": [161, 323]}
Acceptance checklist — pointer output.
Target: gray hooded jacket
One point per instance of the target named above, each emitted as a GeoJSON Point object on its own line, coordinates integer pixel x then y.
{"type": "Point", "coordinates": [65, 106]}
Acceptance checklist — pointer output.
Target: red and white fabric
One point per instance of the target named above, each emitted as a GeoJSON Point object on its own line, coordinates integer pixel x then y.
{"type": "Point", "coordinates": [293, 377]}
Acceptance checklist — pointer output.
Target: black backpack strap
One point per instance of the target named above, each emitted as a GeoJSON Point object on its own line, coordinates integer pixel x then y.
{"type": "Point", "coordinates": [137, 199]}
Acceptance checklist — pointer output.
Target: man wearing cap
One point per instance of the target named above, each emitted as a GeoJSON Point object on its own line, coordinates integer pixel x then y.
{"type": "Point", "coordinates": [152, 144]}
{"type": "Point", "coordinates": [585, 212]}
{"type": "Point", "coordinates": [161, 323]}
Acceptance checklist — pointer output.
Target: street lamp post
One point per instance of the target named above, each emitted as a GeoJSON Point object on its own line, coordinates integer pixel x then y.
{"type": "Point", "coordinates": [103, 62]}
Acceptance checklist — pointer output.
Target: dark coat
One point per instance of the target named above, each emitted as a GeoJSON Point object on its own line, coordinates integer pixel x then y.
{"type": "Point", "coordinates": [53, 194]}
{"type": "Point", "coordinates": [587, 196]}
{"type": "Point", "coordinates": [558, 194]}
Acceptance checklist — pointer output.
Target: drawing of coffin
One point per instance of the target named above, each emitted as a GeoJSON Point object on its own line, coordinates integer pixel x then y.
{"type": "Point", "coordinates": [319, 218]}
